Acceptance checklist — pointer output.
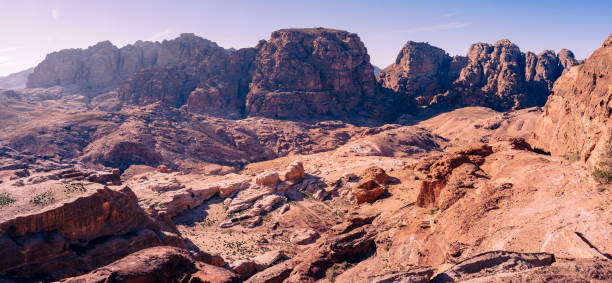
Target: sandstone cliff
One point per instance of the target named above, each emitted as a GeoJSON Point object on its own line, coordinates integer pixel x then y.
{"type": "Point", "coordinates": [421, 71]}
{"type": "Point", "coordinates": [318, 72]}
{"type": "Point", "coordinates": [499, 76]}
{"type": "Point", "coordinates": [576, 118]}
{"type": "Point", "coordinates": [104, 66]}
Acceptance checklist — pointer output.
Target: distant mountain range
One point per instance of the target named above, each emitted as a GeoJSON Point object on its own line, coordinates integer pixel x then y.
{"type": "Point", "coordinates": [16, 80]}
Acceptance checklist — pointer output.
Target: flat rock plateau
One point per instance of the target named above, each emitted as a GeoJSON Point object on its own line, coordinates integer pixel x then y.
{"type": "Point", "coordinates": [291, 161]}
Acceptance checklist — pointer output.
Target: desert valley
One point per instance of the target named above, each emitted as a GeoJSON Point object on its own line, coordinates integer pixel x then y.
{"type": "Point", "coordinates": [296, 161]}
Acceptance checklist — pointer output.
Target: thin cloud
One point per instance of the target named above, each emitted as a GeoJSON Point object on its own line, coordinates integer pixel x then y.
{"type": "Point", "coordinates": [55, 13]}
{"type": "Point", "coordinates": [7, 61]}
{"type": "Point", "coordinates": [447, 26]}
{"type": "Point", "coordinates": [449, 15]}
{"type": "Point", "coordinates": [159, 35]}
{"type": "Point", "coordinates": [10, 49]}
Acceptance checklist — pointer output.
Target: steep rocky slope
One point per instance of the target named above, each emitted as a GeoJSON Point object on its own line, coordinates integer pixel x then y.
{"type": "Point", "coordinates": [576, 118]}
{"type": "Point", "coordinates": [499, 76]}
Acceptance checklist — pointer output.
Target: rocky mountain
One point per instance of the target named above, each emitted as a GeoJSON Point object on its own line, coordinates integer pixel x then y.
{"type": "Point", "coordinates": [310, 72]}
{"type": "Point", "coordinates": [421, 71]}
{"type": "Point", "coordinates": [15, 81]}
{"type": "Point", "coordinates": [297, 74]}
{"type": "Point", "coordinates": [104, 66]}
{"type": "Point", "coordinates": [499, 76]}
{"type": "Point", "coordinates": [577, 116]}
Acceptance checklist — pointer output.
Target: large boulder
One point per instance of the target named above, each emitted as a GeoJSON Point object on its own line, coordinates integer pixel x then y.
{"type": "Point", "coordinates": [371, 186]}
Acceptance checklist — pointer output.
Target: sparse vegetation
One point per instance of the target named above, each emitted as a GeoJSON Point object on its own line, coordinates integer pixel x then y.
{"type": "Point", "coordinates": [72, 188]}
{"type": "Point", "coordinates": [572, 156]}
{"type": "Point", "coordinates": [337, 269]}
{"type": "Point", "coordinates": [6, 199]}
{"type": "Point", "coordinates": [603, 174]}
{"type": "Point", "coordinates": [43, 198]}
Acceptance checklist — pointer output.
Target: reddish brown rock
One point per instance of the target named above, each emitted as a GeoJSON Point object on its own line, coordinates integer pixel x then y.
{"type": "Point", "coordinates": [77, 236]}
{"type": "Point", "coordinates": [576, 117]}
{"type": "Point", "coordinates": [372, 185]}
{"type": "Point", "coordinates": [310, 73]}
{"type": "Point", "coordinates": [447, 177]}
{"type": "Point", "coordinates": [421, 71]}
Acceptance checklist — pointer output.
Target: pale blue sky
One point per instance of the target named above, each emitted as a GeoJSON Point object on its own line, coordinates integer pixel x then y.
{"type": "Point", "coordinates": [31, 29]}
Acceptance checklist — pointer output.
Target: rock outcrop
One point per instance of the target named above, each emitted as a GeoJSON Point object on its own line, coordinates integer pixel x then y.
{"type": "Point", "coordinates": [104, 66]}
{"type": "Point", "coordinates": [371, 186]}
{"type": "Point", "coordinates": [158, 264]}
{"type": "Point", "coordinates": [499, 76]}
{"type": "Point", "coordinates": [77, 235]}
{"type": "Point", "coordinates": [576, 118]}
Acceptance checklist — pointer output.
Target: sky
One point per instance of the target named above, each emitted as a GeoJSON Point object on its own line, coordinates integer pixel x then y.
{"type": "Point", "coordinates": [31, 29]}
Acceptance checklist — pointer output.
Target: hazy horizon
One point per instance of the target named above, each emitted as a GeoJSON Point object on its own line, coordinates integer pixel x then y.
{"type": "Point", "coordinates": [32, 29]}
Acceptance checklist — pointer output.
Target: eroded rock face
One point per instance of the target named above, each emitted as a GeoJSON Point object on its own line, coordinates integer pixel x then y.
{"type": "Point", "coordinates": [576, 117]}
{"type": "Point", "coordinates": [499, 76]}
{"type": "Point", "coordinates": [310, 72]}
{"type": "Point", "coordinates": [100, 66]}
{"type": "Point", "coordinates": [449, 176]}
{"type": "Point", "coordinates": [421, 71]}
{"type": "Point", "coordinates": [77, 236]}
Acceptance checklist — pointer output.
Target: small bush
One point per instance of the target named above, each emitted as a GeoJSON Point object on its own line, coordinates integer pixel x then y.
{"type": "Point", "coordinates": [71, 188]}
{"type": "Point", "coordinates": [6, 199]}
{"type": "Point", "coordinates": [603, 174]}
{"type": "Point", "coordinates": [43, 199]}
{"type": "Point", "coordinates": [571, 157]}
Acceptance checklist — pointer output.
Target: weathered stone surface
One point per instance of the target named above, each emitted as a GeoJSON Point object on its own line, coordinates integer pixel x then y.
{"type": "Point", "coordinates": [310, 73]}
{"type": "Point", "coordinates": [576, 117]}
{"type": "Point", "coordinates": [421, 71]}
{"type": "Point", "coordinates": [303, 236]}
{"type": "Point", "coordinates": [499, 76]}
{"type": "Point", "coordinates": [77, 236]}
{"type": "Point", "coordinates": [494, 262]}
{"type": "Point", "coordinates": [371, 186]}
{"type": "Point", "coordinates": [442, 186]}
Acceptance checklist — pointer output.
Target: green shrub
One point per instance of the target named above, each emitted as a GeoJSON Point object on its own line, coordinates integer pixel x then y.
{"type": "Point", "coordinates": [603, 174]}
{"type": "Point", "coordinates": [571, 157]}
{"type": "Point", "coordinates": [43, 198]}
{"type": "Point", "coordinates": [71, 188]}
{"type": "Point", "coordinates": [6, 199]}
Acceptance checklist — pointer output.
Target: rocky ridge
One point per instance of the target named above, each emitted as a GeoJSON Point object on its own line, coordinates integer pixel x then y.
{"type": "Point", "coordinates": [497, 75]}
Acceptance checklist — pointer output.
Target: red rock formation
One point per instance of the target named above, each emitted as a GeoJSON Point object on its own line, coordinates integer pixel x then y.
{"type": "Point", "coordinates": [371, 186]}
{"type": "Point", "coordinates": [499, 76]}
{"type": "Point", "coordinates": [576, 117]}
{"type": "Point", "coordinates": [308, 73]}
{"type": "Point", "coordinates": [77, 236]}
{"type": "Point", "coordinates": [158, 264]}
{"type": "Point", "coordinates": [448, 176]}
{"type": "Point", "coordinates": [421, 71]}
